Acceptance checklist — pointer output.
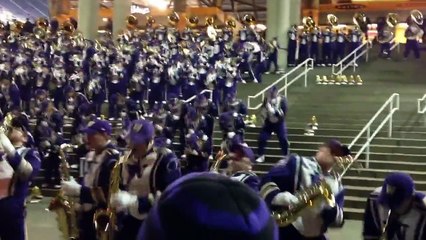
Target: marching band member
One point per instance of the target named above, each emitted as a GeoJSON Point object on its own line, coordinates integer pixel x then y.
{"type": "Point", "coordinates": [292, 46]}
{"type": "Point", "coordinates": [240, 161]}
{"type": "Point", "coordinates": [274, 112]}
{"type": "Point", "coordinates": [296, 173]}
{"type": "Point", "coordinates": [315, 37]}
{"type": "Point", "coordinates": [340, 46]}
{"type": "Point", "coordinates": [273, 55]}
{"type": "Point", "coordinates": [148, 169]}
{"type": "Point", "coordinates": [9, 95]}
{"type": "Point", "coordinates": [355, 39]}
{"type": "Point", "coordinates": [396, 210]}
{"type": "Point", "coordinates": [18, 166]}
{"type": "Point", "coordinates": [303, 46]}
{"type": "Point", "coordinates": [197, 151]}
{"type": "Point", "coordinates": [232, 211]}
{"type": "Point", "coordinates": [94, 190]}
{"type": "Point", "coordinates": [413, 33]}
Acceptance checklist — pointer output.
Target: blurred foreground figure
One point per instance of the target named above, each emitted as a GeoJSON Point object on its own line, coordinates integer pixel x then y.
{"type": "Point", "coordinates": [191, 209]}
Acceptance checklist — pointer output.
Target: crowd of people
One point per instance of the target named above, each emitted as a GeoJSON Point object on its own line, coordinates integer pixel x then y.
{"type": "Point", "coordinates": [150, 188]}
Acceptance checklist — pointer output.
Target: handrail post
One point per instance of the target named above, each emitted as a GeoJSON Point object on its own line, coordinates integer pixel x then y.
{"type": "Point", "coordinates": [285, 89]}
{"type": "Point", "coordinates": [306, 74]}
{"type": "Point", "coordinates": [354, 61]}
{"type": "Point", "coordinates": [390, 119]}
{"type": "Point", "coordinates": [367, 164]}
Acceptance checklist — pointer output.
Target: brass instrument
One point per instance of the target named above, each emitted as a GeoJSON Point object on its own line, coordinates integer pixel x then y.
{"type": "Point", "coordinates": [311, 196]}
{"type": "Point", "coordinates": [388, 32]}
{"type": "Point", "coordinates": [414, 30]}
{"type": "Point", "coordinates": [220, 157]}
{"type": "Point", "coordinates": [308, 24]}
{"type": "Point", "coordinates": [333, 20]}
{"type": "Point", "coordinates": [132, 22]}
{"type": "Point", "coordinates": [360, 20]}
{"type": "Point", "coordinates": [173, 19]}
{"type": "Point", "coordinates": [231, 24]}
{"type": "Point", "coordinates": [67, 28]}
{"type": "Point", "coordinates": [417, 17]}
{"type": "Point", "coordinates": [105, 220]}
{"type": "Point", "coordinates": [63, 205]}
{"type": "Point", "coordinates": [193, 21]}
{"type": "Point", "coordinates": [150, 21]}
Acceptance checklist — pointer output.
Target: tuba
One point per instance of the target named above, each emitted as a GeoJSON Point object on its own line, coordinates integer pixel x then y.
{"type": "Point", "coordinates": [308, 24]}
{"type": "Point", "coordinates": [132, 22]}
{"type": "Point", "coordinates": [193, 21]}
{"type": "Point", "coordinates": [105, 220]}
{"type": "Point", "coordinates": [360, 20]}
{"type": "Point", "coordinates": [414, 30]}
{"type": "Point", "coordinates": [333, 20]}
{"type": "Point", "coordinates": [310, 196]}
{"type": "Point", "coordinates": [63, 205]}
{"type": "Point", "coordinates": [387, 33]}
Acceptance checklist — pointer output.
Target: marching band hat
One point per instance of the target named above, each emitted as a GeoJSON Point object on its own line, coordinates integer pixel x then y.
{"type": "Point", "coordinates": [201, 101]}
{"type": "Point", "coordinates": [397, 187]}
{"type": "Point", "coordinates": [98, 126]}
{"type": "Point", "coordinates": [141, 132]}
{"type": "Point", "coordinates": [241, 149]}
{"type": "Point", "coordinates": [337, 149]}
{"type": "Point", "coordinates": [161, 142]}
{"type": "Point", "coordinates": [190, 209]}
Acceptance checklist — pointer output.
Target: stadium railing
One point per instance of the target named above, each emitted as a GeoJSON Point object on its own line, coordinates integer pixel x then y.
{"type": "Point", "coordinates": [395, 44]}
{"type": "Point", "coordinates": [351, 59]}
{"type": "Point", "coordinates": [308, 65]}
{"type": "Point", "coordinates": [421, 107]}
{"type": "Point", "coordinates": [202, 92]}
{"type": "Point", "coordinates": [390, 106]}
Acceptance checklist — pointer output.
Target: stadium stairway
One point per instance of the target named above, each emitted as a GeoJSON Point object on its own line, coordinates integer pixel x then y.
{"type": "Point", "coordinates": [342, 111]}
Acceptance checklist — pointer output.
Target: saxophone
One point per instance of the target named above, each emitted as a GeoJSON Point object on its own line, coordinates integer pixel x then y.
{"type": "Point", "coordinates": [220, 157]}
{"type": "Point", "coordinates": [311, 196]}
{"type": "Point", "coordinates": [105, 220]}
{"type": "Point", "coordinates": [62, 205]}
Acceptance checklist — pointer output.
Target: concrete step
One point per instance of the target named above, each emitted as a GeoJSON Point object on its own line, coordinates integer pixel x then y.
{"type": "Point", "coordinates": [419, 175]}
{"type": "Point", "coordinates": [360, 191]}
{"type": "Point", "coordinates": [355, 202]}
{"type": "Point", "coordinates": [353, 213]}
{"type": "Point", "coordinates": [374, 182]}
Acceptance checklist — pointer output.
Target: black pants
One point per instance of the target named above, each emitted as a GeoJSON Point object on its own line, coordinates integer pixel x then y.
{"type": "Point", "coordinates": [291, 233]}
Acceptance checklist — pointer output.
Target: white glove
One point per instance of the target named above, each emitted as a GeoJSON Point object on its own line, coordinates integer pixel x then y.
{"type": "Point", "coordinates": [231, 135]}
{"type": "Point", "coordinates": [153, 198]}
{"type": "Point", "coordinates": [122, 201]}
{"type": "Point", "coordinates": [8, 148]}
{"type": "Point", "coordinates": [284, 199]}
{"type": "Point", "coordinates": [71, 188]}
{"type": "Point", "coordinates": [270, 108]}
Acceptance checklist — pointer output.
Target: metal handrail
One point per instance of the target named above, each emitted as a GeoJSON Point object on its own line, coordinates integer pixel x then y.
{"type": "Point", "coordinates": [308, 64]}
{"type": "Point", "coordinates": [355, 56]}
{"type": "Point", "coordinates": [202, 92]}
{"type": "Point", "coordinates": [394, 44]}
{"type": "Point", "coordinates": [421, 110]}
{"type": "Point", "coordinates": [393, 104]}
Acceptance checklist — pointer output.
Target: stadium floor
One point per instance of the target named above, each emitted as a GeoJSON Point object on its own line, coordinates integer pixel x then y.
{"type": "Point", "coordinates": [42, 225]}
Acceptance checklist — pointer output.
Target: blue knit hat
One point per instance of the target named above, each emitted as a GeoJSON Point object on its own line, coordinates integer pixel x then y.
{"type": "Point", "coordinates": [190, 209]}
{"type": "Point", "coordinates": [396, 189]}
